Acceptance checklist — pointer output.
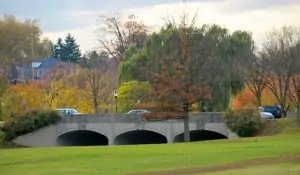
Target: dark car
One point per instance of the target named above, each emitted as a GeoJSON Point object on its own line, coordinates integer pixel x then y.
{"type": "Point", "coordinates": [275, 110]}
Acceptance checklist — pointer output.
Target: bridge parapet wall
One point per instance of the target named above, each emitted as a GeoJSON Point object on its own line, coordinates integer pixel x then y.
{"type": "Point", "coordinates": [213, 117]}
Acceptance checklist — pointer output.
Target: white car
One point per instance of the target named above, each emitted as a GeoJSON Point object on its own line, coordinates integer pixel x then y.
{"type": "Point", "coordinates": [137, 111]}
{"type": "Point", "coordinates": [266, 115]}
{"type": "Point", "coordinates": [67, 111]}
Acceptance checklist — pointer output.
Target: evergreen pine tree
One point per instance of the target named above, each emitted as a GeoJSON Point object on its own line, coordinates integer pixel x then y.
{"type": "Point", "coordinates": [58, 50]}
{"type": "Point", "coordinates": [71, 50]}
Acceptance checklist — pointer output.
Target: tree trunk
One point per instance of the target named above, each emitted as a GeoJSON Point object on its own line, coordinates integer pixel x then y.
{"type": "Point", "coordinates": [1, 117]}
{"type": "Point", "coordinates": [258, 96]}
{"type": "Point", "coordinates": [186, 122]}
{"type": "Point", "coordinates": [283, 109]}
{"type": "Point", "coordinates": [298, 113]}
{"type": "Point", "coordinates": [96, 106]}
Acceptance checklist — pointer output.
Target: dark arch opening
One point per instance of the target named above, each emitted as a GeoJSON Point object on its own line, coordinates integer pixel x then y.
{"type": "Point", "coordinates": [140, 137]}
{"type": "Point", "coordinates": [82, 138]}
{"type": "Point", "coordinates": [200, 135]}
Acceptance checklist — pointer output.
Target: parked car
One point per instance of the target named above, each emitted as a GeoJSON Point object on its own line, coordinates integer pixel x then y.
{"type": "Point", "coordinates": [275, 110]}
{"type": "Point", "coordinates": [265, 115]}
{"type": "Point", "coordinates": [67, 111]}
{"type": "Point", "coordinates": [138, 111]}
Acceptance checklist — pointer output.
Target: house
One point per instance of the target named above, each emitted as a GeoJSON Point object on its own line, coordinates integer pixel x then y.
{"type": "Point", "coordinates": [29, 72]}
{"type": "Point", "coordinates": [42, 69]}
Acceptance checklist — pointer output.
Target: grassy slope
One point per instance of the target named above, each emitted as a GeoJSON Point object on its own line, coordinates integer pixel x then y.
{"type": "Point", "coordinates": [124, 159]}
{"type": "Point", "coordinates": [292, 168]}
{"type": "Point", "coordinates": [273, 127]}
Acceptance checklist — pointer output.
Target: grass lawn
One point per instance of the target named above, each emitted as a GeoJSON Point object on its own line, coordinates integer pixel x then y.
{"type": "Point", "coordinates": [117, 160]}
{"type": "Point", "coordinates": [292, 168]}
{"type": "Point", "coordinates": [273, 127]}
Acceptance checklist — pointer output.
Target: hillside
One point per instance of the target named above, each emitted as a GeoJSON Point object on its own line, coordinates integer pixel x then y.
{"type": "Point", "coordinates": [273, 127]}
{"type": "Point", "coordinates": [117, 160]}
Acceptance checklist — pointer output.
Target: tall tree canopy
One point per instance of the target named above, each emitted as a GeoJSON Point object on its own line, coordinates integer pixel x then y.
{"type": "Point", "coordinates": [121, 33]}
{"type": "Point", "coordinates": [281, 54]}
{"type": "Point", "coordinates": [21, 41]}
{"type": "Point", "coordinates": [67, 50]}
{"type": "Point", "coordinates": [224, 78]}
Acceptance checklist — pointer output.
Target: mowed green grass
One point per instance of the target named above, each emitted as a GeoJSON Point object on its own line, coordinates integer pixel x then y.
{"type": "Point", "coordinates": [117, 160]}
{"type": "Point", "coordinates": [292, 168]}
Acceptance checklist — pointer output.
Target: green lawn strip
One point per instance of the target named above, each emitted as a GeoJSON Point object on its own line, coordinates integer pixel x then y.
{"type": "Point", "coordinates": [130, 159]}
{"type": "Point", "coordinates": [291, 168]}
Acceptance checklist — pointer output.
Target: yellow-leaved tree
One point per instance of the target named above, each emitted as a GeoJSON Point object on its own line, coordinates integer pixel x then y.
{"type": "Point", "coordinates": [65, 93]}
{"type": "Point", "coordinates": [133, 94]}
{"type": "Point", "coordinates": [22, 97]}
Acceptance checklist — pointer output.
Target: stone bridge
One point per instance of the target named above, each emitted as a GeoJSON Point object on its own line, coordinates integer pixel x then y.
{"type": "Point", "coordinates": [120, 129]}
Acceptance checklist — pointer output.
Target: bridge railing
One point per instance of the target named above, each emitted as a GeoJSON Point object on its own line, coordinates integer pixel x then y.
{"type": "Point", "coordinates": [207, 117]}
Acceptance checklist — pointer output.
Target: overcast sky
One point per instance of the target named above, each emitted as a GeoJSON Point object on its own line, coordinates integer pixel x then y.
{"type": "Point", "coordinates": [79, 17]}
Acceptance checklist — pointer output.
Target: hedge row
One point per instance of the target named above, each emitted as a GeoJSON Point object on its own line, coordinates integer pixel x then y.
{"type": "Point", "coordinates": [245, 123]}
{"type": "Point", "coordinates": [28, 122]}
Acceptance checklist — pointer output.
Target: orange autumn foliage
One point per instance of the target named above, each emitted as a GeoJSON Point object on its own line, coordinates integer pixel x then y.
{"type": "Point", "coordinates": [247, 100]}
{"type": "Point", "coordinates": [26, 96]}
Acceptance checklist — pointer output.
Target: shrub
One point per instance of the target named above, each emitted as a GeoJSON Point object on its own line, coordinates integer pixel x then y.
{"type": "Point", "coordinates": [2, 136]}
{"type": "Point", "coordinates": [244, 122]}
{"type": "Point", "coordinates": [28, 122]}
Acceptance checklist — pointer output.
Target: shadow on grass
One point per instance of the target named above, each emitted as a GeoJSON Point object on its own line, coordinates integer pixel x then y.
{"type": "Point", "coordinates": [10, 145]}
{"type": "Point", "coordinates": [228, 166]}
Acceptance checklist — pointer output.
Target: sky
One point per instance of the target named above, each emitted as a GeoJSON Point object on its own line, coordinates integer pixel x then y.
{"type": "Point", "coordinates": [81, 17]}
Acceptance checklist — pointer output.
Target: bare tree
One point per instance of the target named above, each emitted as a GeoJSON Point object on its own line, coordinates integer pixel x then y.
{"type": "Point", "coordinates": [280, 61]}
{"type": "Point", "coordinates": [294, 92]}
{"type": "Point", "coordinates": [116, 35]}
{"type": "Point", "coordinates": [253, 70]}
{"type": "Point", "coordinates": [123, 33]}
{"type": "Point", "coordinates": [96, 79]}
{"type": "Point", "coordinates": [98, 86]}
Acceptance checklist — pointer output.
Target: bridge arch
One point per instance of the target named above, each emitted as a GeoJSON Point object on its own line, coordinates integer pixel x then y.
{"type": "Point", "coordinates": [200, 135]}
{"type": "Point", "coordinates": [81, 138]}
{"type": "Point", "coordinates": [137, 137]}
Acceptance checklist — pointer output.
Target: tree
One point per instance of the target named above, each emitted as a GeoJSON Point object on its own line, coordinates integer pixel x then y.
{"type": "Point", "coordinates": [246, 99]}
{"type": "Point", "coordinates": [294, 92]}
{"type": "Point", "coordinates": [22, 97]}
{"type": "Point", "coordinates": [281, 59]}
{"type": "Point", "coordinates": [96, 81]}
{"type": "Point", "coordinates": [95, 60]}
{"type": "Point", "coordinates": [19, 40]}
{"type": "Point", "coordinates": [132, 94]}
{"type": "Point", "coordinates": [224, 79]}
{"type": "Point", "coordinates": [67, 51]}
{"type": "Point", "coordinates": [255, 75]}
{"type": "Point", "coordinates": [179, 78]}
{"type": "Point", "coordinates": [46, 47]}
{"type": "Point", "coordinates": [63, 94]}
{"type": "Point", "coordinates": [131, 31]}
{"type": "Point", "coordinates": [58, 49]}
{"type": "Point", "coordinates": [4, 85]}
{"type": "Point", "coordinates": [98, 86]}
{"type": "Point", "coordinates": [131, 68]}
{"type": "Point", "coordinates": [71, 50]}
{"type": "Point", "coordinates": [116, 35]}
